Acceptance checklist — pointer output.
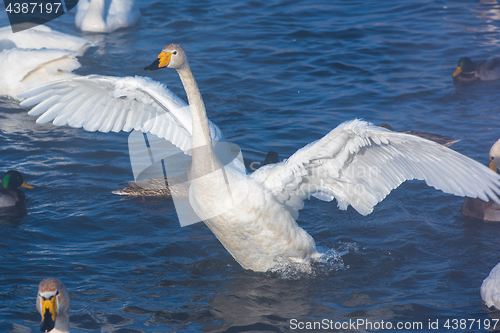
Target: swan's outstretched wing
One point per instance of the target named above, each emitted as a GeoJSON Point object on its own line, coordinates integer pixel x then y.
{"type": "Point", "coordinates": [359, 164]}
{"type": "Point", "coordinates": [104, 103]}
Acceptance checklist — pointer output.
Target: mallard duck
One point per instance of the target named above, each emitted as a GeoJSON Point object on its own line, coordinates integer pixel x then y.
{"type": "Point", "coordinates": [254, 216]}
{"type": "Point", "coordinates": [477, 208]}
{"type": "Point", "coordinates": [484, 70]}
{"type": "Point", "coordinates": [441, 139]}
{"type": "Point", "coordinates": [10, 195]}
{"type": "Point", "coordinates": [106, 15]}
{"type": "Point", "coordinates": [52, 302]}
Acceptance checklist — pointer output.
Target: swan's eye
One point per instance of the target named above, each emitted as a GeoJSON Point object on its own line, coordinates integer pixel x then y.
{"type": "Point", "coordinates": [492, 158]}
{"type": "Point", "coordinates": [57, 293]}
{"type": "Point", "coordinates": [174, 53]}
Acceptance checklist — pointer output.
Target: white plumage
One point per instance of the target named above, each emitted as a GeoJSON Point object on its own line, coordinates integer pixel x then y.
{"type": "Point", "coordinates": [490, 289]}
{"type": "Point", "coordinates": [357, 164]}
{"type": "Point", "coordinates": [107, 103]}
{"type": "Point", "coordinates": [36, 56]}
{"type": "Point", "coordinates": [106, 15]}
{"type": "Point", "coordinates": [40, 37]}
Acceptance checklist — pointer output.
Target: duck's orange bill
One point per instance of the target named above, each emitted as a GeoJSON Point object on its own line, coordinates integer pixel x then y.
{"type": "Point", "coordinates": [26, 185]}
{"type": "Point", "coordinates": [457, 71]}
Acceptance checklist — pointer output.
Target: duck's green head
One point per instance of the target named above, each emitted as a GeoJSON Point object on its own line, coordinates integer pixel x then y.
{"type": "Point", "coordinates": [465, 65]}
{"type": "Point", "coordinates": [12, 180]}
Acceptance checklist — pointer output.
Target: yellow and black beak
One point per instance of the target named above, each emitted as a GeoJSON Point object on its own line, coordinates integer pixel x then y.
{"type": "Point", "coordinates": [162, 62]}
{"type": "Point", "coordinates": [49, 312]}
{"type": "Point", "coordinates": [493, 166]}
{"type": "Point", "coordinates": [457, 71]}
{"type": "Point", "coordinates": [26, 185]}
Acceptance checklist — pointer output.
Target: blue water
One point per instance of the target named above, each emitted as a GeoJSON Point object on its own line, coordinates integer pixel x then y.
{"type": "Point", "coordinates": [274, 76]}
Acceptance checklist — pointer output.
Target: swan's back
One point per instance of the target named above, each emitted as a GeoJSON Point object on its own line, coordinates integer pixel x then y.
{"type": "Point", "coordinates": [490, 289]}
{"type": "Point", "coordinates": [42, 37]}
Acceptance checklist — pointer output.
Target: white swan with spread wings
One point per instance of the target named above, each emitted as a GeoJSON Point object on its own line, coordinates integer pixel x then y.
{"type": "Point", "coordinates": [357, 164]}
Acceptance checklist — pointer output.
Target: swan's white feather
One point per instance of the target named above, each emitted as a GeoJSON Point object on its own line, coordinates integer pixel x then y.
{"type": "Point", "coordinates": [104, 103]}
{"type": "Point", "coordinates": [490, 289]}
{"type": "Point", "coordinates": [35, 56]}
{"type": "Point", "coordinates": [106, 15]}
{"type": "Point", "coordinates": [40, 37]}
{"type": "Point", "coordinates": [21, 69]}
{"type": "Point", "coordinates": [359, 164]}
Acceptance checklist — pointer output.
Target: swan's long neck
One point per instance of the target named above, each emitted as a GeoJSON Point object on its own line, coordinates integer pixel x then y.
{"type": "Point", "coordinates": [204, 159]}
{"type": "Point", "coordinates": [94, 18]}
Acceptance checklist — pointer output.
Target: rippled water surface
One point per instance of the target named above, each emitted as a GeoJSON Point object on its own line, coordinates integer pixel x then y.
{"type": "Point", "coordinates": [274, 76]}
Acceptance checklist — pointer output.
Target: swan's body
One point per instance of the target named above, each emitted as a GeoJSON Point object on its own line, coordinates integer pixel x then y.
{"type": "Point", "coordinates": [52, 303]}
{"type": "Point", "coordinates": [10, 195]}
{"type": "Point", "coordinates": [483, 70]}
{"type": "Point", "coordinates": [477, 208]}
{"type": "Point", "coordinates": [490, 289]}
{"type": "Point", "coordinates": [35, 56]}
{"type": "Point", "coordinates": [357, 164]}
{"type": "Point", "coordinates": [106, 15]}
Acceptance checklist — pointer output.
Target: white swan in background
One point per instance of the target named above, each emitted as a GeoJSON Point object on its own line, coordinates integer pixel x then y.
{"type": "Point", "coordinates": [490, 289]}
{"type": "Point", "coordinates": [40, 37]}
{"type": "Point", "coordinates": [357, 164]}
{"type": "Point", "coordinates": [35, 56]}
{"type": "Point", "coordinates": [106, 15]}
{"type": "Point", "coordinates": [52, 303]}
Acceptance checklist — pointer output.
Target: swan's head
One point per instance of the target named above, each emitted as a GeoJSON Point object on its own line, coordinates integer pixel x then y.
{"type": "Point", "coordinates": [51, 302]}
{"type": "Point", "coordinates": [172, 56]}
{"type": "Point", "coordinates": [495, 156]}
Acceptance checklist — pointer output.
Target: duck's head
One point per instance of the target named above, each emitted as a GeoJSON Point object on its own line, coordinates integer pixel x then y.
{"type": "Point", "coordinates": [52, 300]}
{"type": "Point", "coordinates": [172, 56]}
{"type": "Point", "coordinates": [495, 156]}
{"type": "Point", "coordinates": [465, 65]}
{"type": "Point", "coordinates": [12, 180]}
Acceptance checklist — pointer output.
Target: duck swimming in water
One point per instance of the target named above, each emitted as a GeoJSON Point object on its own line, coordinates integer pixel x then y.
{"type": "Point", "coordinates": [484, 70]}
{"type": "Point", "coordinates": [357, 163]}
{"type": "Point", "coordinates": [10, 195]}
{"type": "Point", "coordinates": [477, 208]}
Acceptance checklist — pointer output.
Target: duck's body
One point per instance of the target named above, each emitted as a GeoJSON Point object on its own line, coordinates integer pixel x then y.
{"type": "Point", "coordinates": [441, 139]}
{"type": "Point", "coordinates": [254, 215]}
{"type": "Point", "coordinates": [52, 303]}
{"type": "Point", "coordinates": [36, 56]}
{"type": "Point", "coordinates": [106, 15]}
{"type": "Point", "coordinates": [158, 187]}
{"type": "Point", "coordinates": [477, 208]}
{"type": "Point", "coordinates": [490, 289]}
{"type": "Point", "coordinates": [483, 70]}
{"type": "Point", "coordinates": [151, 187]}
{"type": "Point", "coordinates": [10, 195]}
